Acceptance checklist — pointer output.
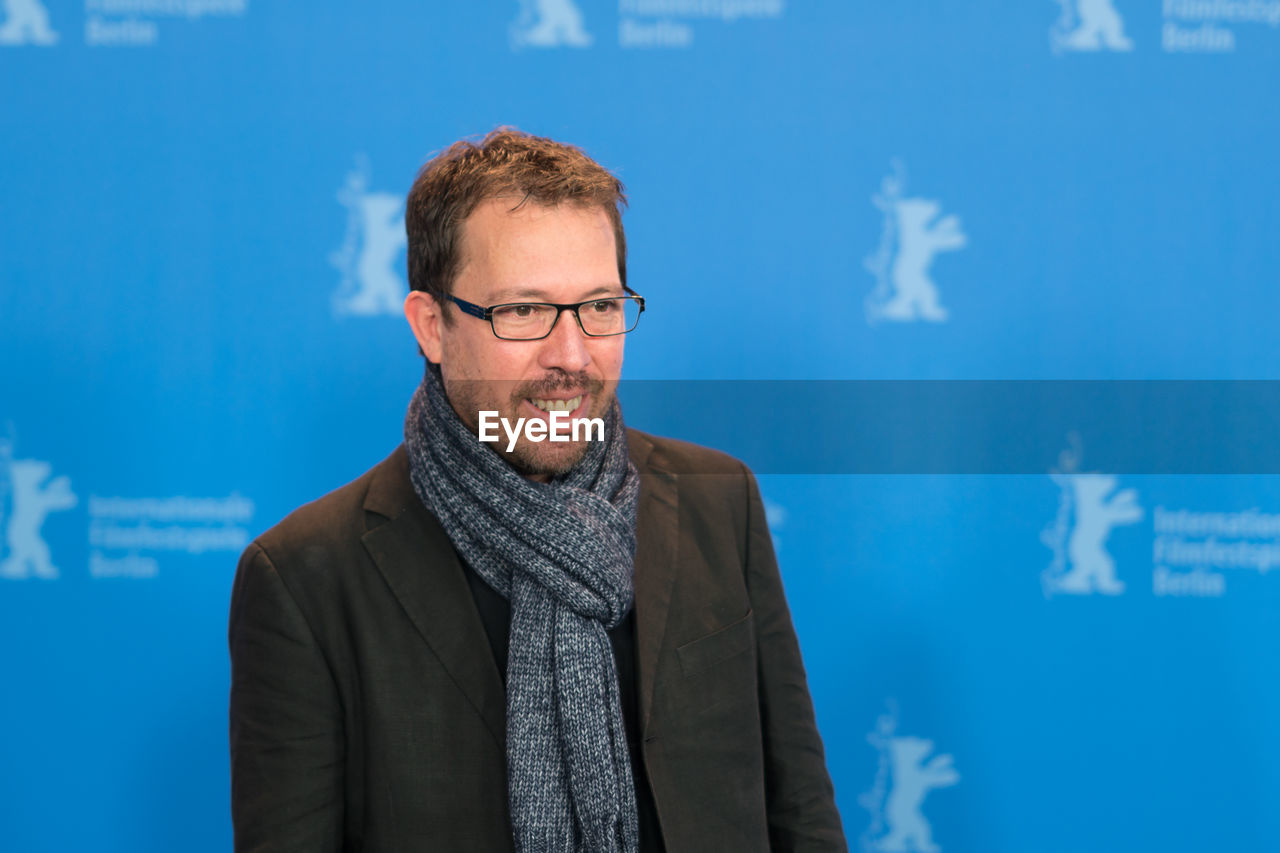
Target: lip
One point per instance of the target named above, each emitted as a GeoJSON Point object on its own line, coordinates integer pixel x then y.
{"type": "Point", "coordinates": [528, 409]}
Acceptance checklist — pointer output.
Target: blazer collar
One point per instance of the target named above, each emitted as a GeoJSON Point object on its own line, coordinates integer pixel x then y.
{"type": "Point", "coordinates": [657, 554]}
{"type": "Point", "coordinates": [421, 567]}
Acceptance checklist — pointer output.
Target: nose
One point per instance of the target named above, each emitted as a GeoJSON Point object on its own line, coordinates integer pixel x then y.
{"type": "Point", "coordinates": [566, 346]}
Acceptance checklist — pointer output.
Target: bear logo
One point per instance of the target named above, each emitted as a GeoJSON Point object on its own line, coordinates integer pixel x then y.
{"type": "Point", "coordinates": [370, 251]}
{"type": "Point", "coordinates": [1089, 26]}
{"type": "Point", "coordinates": [549, 23]}
{"type": "Point", "coordinates": [26, 22]}
{"type": "Point", "coordinates": [908, 772]}
{"type": "Point", "coordinates": [911, 237]}
{"type": "Point", "coordinates": [33, 497]}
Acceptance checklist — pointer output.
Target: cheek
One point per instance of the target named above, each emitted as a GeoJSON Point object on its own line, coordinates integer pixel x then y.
{"type": "Point", "coordinates": [495, 370]}
{"type": "Point", "coordinates": [472, 356]}
{"type": "Point", "coordinates": [608, 357]}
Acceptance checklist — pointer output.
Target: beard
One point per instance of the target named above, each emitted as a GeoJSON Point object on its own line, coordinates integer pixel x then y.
{"type": "Point", "coordinates": [469, 397]}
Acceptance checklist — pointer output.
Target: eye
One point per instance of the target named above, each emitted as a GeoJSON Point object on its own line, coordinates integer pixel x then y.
{"type": "Point", "coordinates": [604, 306]}
{"type": "Point", "coordinates": [524, 311]}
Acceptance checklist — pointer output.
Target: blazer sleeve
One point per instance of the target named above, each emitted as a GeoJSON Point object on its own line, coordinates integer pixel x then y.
{"type": "Point", "coordinates": [286, 722]}
{"type": "Point", "coordinates": [800, 800]}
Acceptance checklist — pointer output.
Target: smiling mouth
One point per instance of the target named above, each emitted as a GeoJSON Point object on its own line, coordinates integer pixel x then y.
{"type": "Point", "coordinates": [557, 405]}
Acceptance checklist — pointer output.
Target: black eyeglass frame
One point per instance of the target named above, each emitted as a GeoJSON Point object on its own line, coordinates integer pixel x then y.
{"type": "Point", "coordinates": [483, 313]}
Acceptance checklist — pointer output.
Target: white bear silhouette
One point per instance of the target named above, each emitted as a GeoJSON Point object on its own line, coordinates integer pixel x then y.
{"type": "Point", "coordinates": [1092, 568]}
{"type": "Point", "coordinates": [381, 290]}
{"type": "Point", "coordinates": [368, 260]}
{"type": "Point", "coordinates": [1100, 26]}
{"type": "Point", "coordinates": [549, 23]}
{"type": "Point", "coordinates": [919, 240]}
{"type": "Point", "coordinates": [33, 500]}
{"type": "Point", "coordinates": [912, 780]}
{"type": "Point", "coordinates": [26, 22]}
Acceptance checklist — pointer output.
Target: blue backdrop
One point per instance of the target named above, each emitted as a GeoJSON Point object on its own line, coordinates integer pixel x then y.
{"type": "Point", "coordinates": [1013, 645]}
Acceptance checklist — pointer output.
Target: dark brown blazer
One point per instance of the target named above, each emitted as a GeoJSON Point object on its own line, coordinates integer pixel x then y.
{"type": "Point", "coordinates": [368, 714]}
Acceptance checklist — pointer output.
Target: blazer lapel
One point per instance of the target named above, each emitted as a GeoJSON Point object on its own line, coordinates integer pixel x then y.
{"type": "Point", "coordinates": [657, 547]}
{"type": "Point", "coordinates": [420, 565]}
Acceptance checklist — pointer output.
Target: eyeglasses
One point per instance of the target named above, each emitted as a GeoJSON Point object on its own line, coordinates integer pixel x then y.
{"type": "Point", "coordinates": [532, 321]}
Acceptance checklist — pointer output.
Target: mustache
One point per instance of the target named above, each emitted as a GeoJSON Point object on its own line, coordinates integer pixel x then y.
{"type": "Point", "coordinates": [561, 381]}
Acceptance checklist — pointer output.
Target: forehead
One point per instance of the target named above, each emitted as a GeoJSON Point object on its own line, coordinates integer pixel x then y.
{"type": "Point", "coordinates": [508, 245]}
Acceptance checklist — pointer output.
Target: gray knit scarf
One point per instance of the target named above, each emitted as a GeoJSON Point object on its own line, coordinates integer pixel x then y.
{"type": "Point", "coordinates": [562, 554]}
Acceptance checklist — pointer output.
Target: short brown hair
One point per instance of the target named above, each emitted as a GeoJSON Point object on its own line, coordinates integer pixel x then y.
{"type": "Point", "coordinates": [506, 162]}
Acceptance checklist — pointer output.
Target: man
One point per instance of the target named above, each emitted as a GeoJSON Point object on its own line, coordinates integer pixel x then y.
{"type": "Point", "coordinates": [573, 645]}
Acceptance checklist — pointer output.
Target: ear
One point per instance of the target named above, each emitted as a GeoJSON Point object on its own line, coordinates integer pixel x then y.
{"type": "Point", "coordinates": [423, 313]}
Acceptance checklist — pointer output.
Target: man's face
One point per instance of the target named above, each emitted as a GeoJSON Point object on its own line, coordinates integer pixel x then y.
{"type": "Point", "coordinates": [532, 254]}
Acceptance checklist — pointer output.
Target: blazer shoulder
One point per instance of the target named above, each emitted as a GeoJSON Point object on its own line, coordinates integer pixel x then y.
{"type": "Point", "coordinates": [683, 457]}
{"type": "Point", "coordinates": [331, 523]}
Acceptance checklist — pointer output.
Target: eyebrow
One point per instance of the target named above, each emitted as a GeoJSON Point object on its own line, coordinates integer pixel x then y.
{"type": "Point", "coordinates": [533, 294]}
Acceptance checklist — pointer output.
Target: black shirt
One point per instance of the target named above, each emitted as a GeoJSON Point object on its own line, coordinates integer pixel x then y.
{"type": "Point", "coordinates": [495, 613]}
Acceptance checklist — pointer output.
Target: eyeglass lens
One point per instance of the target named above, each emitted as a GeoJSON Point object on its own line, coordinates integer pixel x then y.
{"type": "Point", "coordinates": [534, 320]}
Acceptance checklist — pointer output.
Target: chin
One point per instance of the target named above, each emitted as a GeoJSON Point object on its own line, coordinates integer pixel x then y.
{"type": "Point", "coordinates": [541, 460]}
